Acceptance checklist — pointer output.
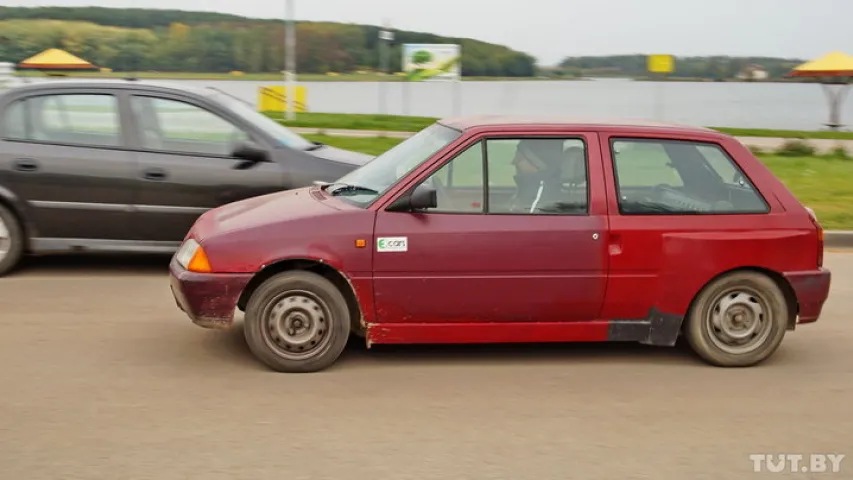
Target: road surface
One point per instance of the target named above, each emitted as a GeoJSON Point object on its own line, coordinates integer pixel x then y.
{"type": "Point", "coordinates": [103, 378]}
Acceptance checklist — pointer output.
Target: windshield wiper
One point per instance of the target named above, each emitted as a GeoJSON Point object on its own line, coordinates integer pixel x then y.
{"type": "Point", "coordinates": [316, 146]}
{"type": "Point", "coordinates": [346, 188]}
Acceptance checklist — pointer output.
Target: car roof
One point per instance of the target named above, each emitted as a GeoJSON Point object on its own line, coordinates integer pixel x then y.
{"type": "Point", "coordinates": [509, 121]}
{"type": "Point", "coordinates": [47, 85]}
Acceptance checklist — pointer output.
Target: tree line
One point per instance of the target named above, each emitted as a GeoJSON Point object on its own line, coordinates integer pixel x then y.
{"type": "Point", "coordinates": [714, 67]}
{"type": "Point", "coordinates": [134, 39]}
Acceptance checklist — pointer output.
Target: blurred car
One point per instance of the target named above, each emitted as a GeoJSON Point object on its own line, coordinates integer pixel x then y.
{"type": "Point", "coordinates": [517, 229]}
{"type": "Point", "coordinates": [128, 166]}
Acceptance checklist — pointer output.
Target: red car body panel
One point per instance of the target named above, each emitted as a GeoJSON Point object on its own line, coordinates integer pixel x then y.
{"type": "Point", "coordinates": [469, 278]}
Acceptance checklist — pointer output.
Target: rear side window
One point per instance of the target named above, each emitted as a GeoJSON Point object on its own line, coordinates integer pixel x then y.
{"type": "Point", "coordinates": [67, 119]}
{"type": "Point", "coordinates": [673, 177]}
{"type": "Point", "coordinates": [14, 121]}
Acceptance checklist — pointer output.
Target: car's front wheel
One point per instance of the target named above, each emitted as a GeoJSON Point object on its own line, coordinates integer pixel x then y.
{"type": "Point", "coordinates": [11, 241]}
{"type": "Point", "coordinates": [297, 322]}
{"type": "Point", "coordinates": [738, 320]}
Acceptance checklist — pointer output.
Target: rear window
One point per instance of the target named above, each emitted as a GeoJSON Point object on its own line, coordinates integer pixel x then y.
{"type": "Point", "coordinates": [681, 177]}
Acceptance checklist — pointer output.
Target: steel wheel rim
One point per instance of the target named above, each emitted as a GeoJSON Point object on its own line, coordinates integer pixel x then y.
{"type": "Point", "coordinates": [739, 321]}
{"type": "Point", "coordinates": [296, 325]}
{"type": "Point", "coordinates": [5, 240]}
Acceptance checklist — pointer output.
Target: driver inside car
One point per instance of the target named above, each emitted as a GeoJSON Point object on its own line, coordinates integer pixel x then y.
{"type": "Point", "coordinates": [538, 175]}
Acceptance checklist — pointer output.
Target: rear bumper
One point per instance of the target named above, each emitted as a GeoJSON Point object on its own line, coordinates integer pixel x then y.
{"type": "Point", "coordinates": [209, 299]}
{"type": "Point", "coordinates": [812, 290]}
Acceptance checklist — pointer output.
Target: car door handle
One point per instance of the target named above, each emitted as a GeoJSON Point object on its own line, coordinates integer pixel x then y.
{"type": "Point", "coordinates": [25, 165]}
{"type": "Point", "coordinates": [154, 174]}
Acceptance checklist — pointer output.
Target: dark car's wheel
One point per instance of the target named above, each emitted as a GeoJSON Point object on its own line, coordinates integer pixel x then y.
{"type": "Point", "coordinates": [738, 320]}
{"type": "Point", "coordinates": [11, 241]}
{"type": "Point", "coordinates": [297, 322]}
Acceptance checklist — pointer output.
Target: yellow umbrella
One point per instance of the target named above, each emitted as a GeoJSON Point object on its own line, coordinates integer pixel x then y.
{"type": "Point", "coordinates": [56, 59]}
{"type": "Point", "coordinates": [835, 70]}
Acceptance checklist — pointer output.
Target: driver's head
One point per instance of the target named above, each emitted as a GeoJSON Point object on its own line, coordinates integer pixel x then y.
{"type": "Point", "coordinates": [537, 155]}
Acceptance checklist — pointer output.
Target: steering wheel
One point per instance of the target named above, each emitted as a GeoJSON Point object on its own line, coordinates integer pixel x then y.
{"type": "Point", "coordinates": [443, 197]}
{"type": "Point", "coordinates": [657, 192]}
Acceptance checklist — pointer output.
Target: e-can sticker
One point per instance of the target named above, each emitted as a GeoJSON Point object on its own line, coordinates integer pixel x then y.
{"type": "Point", "coordinates": [392, 244]}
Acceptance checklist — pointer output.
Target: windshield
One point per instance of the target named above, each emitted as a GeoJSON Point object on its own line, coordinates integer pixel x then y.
{"type": "Point", "coordinates": [365, 184]}
{"type": "Point", "coordinates": [281, 133]}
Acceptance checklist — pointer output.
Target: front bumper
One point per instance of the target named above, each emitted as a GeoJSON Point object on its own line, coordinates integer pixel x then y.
{"type": "Point", "coordinates": [811, 289]}
{"type": "Point", "coordinates": [209, 299]}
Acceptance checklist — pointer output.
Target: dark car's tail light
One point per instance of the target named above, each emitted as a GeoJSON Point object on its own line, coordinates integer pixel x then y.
{"type": "Point", "coordinates": [819, 228]}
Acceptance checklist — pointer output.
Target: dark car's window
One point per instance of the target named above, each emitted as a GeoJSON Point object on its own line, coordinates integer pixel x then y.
{"type": "Point", "coordinates": [180, 127]}
{"type": "Point", "coordinates": [14, 121]}
{"type": "Point", "coordinates": [276, 130]}
{"type": "Point", "coordinates": [75, 119]}
{"type": "Point", "coordinates": [681, 177]}
{"type": "Point", "coordinates": [525, 176]}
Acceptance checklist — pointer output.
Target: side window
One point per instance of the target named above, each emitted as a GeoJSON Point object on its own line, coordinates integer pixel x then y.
{"type": "Point", "coordinates": [721, 164]}
{"type": "Point", "coordinates": [75, 119]}
{"type": "Point", "coordinates": [642, 164]}
{"type": "Point", "coordinates": [544, 176]}
{"type": "Point", "coordinates": [459, 182]}
{"type": "Point", "coordinates": [14, 121]}
{"type": "Point", "coordinates": [175, 126]}
{"type": "Point", "coordinates": [672, 177]}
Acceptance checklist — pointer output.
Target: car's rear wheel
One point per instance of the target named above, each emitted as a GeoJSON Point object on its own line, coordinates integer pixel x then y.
{"type": "Point", "coordinates": [297, 322]}
{"type": "Point", "coordinates": [11, 241]}
{"type": "Point", "coordinates": [738, 320]}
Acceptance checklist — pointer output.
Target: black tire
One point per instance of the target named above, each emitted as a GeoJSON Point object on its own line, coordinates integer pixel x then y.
{"type": "Point", "coordinates": [15, 248]}
{"type": "Point", "coordinates": [744, 294]}
{"type": "Point", "coordinates": [312, 304]}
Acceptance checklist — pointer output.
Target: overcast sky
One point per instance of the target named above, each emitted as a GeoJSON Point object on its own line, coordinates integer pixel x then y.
{"type": "Point", "coordinates": [553, 29]}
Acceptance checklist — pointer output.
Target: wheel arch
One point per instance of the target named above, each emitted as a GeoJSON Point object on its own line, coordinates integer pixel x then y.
{"type": "Point", "coordinates": [8, 201]}
{"type": "Point", "coordinates": [323, 269]}
{"type": "Point", "coordinates": [779, 279]}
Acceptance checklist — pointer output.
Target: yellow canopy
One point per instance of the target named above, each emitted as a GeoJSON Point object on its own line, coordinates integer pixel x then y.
{"type": "Point", "coordinates": [56, 59]}
{"type": "Point", "coordinates": [833, 64]}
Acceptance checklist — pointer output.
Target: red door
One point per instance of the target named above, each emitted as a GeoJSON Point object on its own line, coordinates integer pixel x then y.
{"type": "Point", "coordinates": [508, 253]}
{"type": "Point", "coordinates": [682, 212]}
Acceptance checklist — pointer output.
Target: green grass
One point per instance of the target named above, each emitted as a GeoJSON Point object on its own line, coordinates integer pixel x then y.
{"type": "Point", "coordinates": [793, 134]}
{"type": "Point", "coordinates": [370, 146]}
{"type": "Point", "coordinates": [820, 182]}
{"type": "Point", "coordinates": [386, 123]}
{"type": "Point", "coordinates": [413, 124]}
{"type": "Point", "coordinates": [261, 77]}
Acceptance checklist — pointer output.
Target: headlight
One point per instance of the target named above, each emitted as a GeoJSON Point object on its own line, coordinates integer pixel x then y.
{"type": "Point", "coordinates": [192, 257]}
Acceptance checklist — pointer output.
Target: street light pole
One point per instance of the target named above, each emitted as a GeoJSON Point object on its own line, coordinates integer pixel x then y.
{"type": "Point", "coordinates": [290, 58]}
{"type": "Point", "coordinates": [385, 37]}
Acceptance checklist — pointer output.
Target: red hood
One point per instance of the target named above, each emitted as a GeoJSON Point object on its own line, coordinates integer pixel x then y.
{"type": "Point", "coordinates": [262, 211]}
{"type": "Point", "coordinates": [305, 224]}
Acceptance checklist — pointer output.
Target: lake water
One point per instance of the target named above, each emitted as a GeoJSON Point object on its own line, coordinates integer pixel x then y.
{"type": "Point", "coordinates": [747, 105]}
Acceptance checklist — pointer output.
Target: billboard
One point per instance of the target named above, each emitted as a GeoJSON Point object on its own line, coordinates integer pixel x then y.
{"type": "Point", "coordinates": [432, 61]}
{"type": "Point", "coordinates": [661, 63]}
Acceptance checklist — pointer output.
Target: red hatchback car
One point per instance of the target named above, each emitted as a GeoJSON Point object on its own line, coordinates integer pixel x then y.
{"type": "Point", "coordinates": [515, 229]}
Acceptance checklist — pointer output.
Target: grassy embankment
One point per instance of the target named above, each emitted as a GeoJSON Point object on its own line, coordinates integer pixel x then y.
{"type": "Point", "coordinates": [823, 182]}
{"type": "Point", "coordinates": [414, 124]}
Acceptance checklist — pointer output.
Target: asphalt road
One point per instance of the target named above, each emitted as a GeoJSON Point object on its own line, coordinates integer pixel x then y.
{"type": "Point", "coordinates": [103, 378]}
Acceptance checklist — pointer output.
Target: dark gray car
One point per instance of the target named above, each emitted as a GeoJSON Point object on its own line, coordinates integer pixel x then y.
{"type": "Point", "coordinates": [128, 166]}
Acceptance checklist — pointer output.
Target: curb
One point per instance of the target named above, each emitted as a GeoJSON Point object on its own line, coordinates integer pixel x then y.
{"type": "Point", "coordinates": [838, 239]}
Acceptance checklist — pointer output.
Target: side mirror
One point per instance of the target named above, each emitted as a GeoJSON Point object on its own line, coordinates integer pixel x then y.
{"type": "Point", "coordinates": [250, 151]}
{"type": "Point", "coordinates": [422, 198]}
